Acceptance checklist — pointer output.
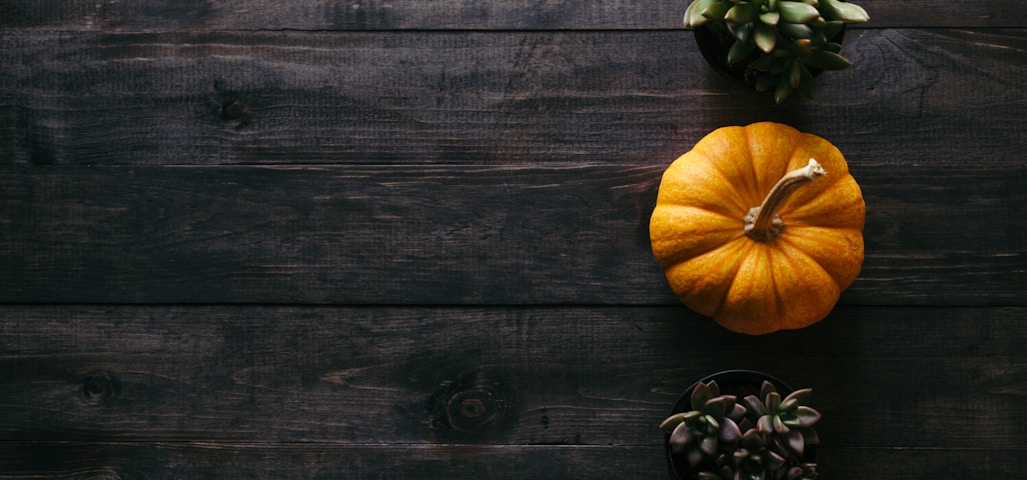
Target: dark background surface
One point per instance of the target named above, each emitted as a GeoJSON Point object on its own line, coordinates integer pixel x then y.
{"type": "Point", "coordinates": [394, 239]}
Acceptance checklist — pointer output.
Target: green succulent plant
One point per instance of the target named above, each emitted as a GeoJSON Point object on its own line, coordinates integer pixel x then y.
{"type": "Point", "coordinates": [759, 437]}
{"type": "Point", "coordinates": [791, 38]}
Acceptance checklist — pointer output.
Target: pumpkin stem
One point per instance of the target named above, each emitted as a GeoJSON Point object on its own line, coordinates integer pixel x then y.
{"type": "Point", "coordinates": [762, 223]}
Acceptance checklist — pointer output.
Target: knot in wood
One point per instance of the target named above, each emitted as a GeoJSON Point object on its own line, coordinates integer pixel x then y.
{"type": "Point", "coordinates": [472, 410]}
{"type": "Point", "coordinates": [473, 406]}
{"type": "Point", "coordinates": [99, 388]}
{"type": "Point", "coordinates": [234, 110]}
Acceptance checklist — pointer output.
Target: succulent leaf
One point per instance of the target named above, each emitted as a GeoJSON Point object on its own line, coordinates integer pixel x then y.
{"type": "Point", "coordinates": [803, 46]}
{"type": "Point", "coordinates": [693, 14]}
{"type": "Point", "coordinates": [740, 455]}
{"type": "Point", "coordinates": [761, 64]}
{"type": "Point", "coordinates": [827, 60]}
{"type": "Point", "coordinates": [772, 460]}
{"type": "Point", "coordinates": [844, 11]}
{"type": "Point", "coordinates": [801, 472]}
{"type": "Point", "coordinates": [681, 436]}
{"type": "Point", "coordinates": [806, 417]}
{"type": "Point", "coordinates": [751, 402]}
{"type": "Point", "coordinates": [799, 397]}
{"type": "Point", "coordinates": [694, 457]}
{"type": "Point", "coordinates": [793, 75]}
{"type": "Point", "coordinates": [781, 63]}
{"type": "Point", "coordinates": [729, 431]}
{"type": "Point", "coordinates": [708, 445]}
{"type": "Point", "coordinates": [686, 19]}
{"type": "Point", "coordinates": [779, 424]}
{"type": "Point", "coordinates": [765, 37]}
{"type": "Point", "coordinates": [810, 436]}
{"type": "Point", "coordinates": [752, 440]}
{"type": "Point", "coordinates": [796, 442]}
{"type": "Point", "coordinates": [770, 18]}
{"type": "Point", "coordinates": [670, 423]}
{"type": "Point", "coordinates": [715, 12]}
{"type": "Point", "coordinates": [737, 412]}
{"type": "Point", "coordinates": [818, 37]}
{"type": "Point", "coordinates": [742, 12]}
{"type": "Point", "coordinates": [797, 12]}
{"type": "Point", "coordinates": [832, 28]}
{"type": "Point", "coordinates": [743, 32]}
{"type": "Point", "coordinates": [700, 395]}
{"type": "Point", "coordinates": [718, 407]}
{"type": "Point", "coordinates": [795, 30]}
{"type": "Point", "coordinates": [765, 424]}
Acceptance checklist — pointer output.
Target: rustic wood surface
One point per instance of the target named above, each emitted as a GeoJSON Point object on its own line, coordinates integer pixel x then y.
{"type": "Point", "coordinates": [374, 239]}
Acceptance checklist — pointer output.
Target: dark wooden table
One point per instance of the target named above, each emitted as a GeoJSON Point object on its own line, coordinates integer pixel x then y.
{"type": "Point", "coordinates": [409, 239]}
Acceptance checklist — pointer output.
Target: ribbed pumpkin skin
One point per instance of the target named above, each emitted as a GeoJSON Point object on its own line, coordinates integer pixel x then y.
{"type": "Point", "coordinates": [746, 285]}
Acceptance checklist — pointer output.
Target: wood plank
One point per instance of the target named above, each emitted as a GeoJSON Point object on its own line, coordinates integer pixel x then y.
{"type": "Point", "coordinates": [453, 235]}
{"type": "Point", "coordinates": [938, 378]}
{"type": "Point", "coordinates": [20, 461]}
{"type": "Point", "coordinates": [453, 14]}
{"type": "Point", "coordinates": [475, 98]}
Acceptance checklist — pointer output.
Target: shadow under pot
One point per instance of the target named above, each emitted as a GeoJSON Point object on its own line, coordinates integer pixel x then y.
{"type": "Point", "coordinates": [715, 40]}
{"type": "Point", "coordinates": [744, 423]}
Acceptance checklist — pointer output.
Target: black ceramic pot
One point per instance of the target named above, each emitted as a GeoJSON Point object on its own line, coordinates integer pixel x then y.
{"type": "Point", "coordinates": [739, 383]}
{"type": "Point", "coordinates": [714, 41]}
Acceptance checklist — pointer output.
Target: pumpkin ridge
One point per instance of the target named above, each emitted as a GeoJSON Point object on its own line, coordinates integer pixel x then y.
{"type": "Point", "coordinates": [840, 278]}
{"type": "Point", "coordinates": [766, 177]}
{"type": "Point", "coordinates": [705, 201]}
{"type": "Point", "coordinates": [794, 318]}
{"type": "Point", "coordinates": [750, 248]}
{"type": "Point", "coordinates": [832, 211]}
{"type": "Point", "coordinates": [698, 299]}
{"type": "Point", "coordinates": [739, 199]}
{"type": "Point", "coordinates": [724, 212]}
{"type": "Point", "coordinates": [811, 146]}
{"type": "Point", "coordinates": [801, 200]}
{"type": "Point", "coordinates": [753, 186]}
{"type": "Point", "coordinates": [743, 191]}
{"type": "Point", "coordinates": [846, 217]}
{"type": "Point", "coordinates": [779, 293]}
{"type": "Point", "coordinates": [723, 234]}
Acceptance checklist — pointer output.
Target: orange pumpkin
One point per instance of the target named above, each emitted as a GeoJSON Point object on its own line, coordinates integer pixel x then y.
{"type": "Point", "coordinates": [780, 265]}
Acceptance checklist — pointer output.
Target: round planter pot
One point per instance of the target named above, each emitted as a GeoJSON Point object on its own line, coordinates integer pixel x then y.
{"type": "Point", "coordinates": [739, 383]}
{"type": "Point", "coordinates": [714, 41]}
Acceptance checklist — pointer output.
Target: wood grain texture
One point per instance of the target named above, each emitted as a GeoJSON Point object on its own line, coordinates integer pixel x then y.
{"type": "Point", "coordinates": [573, 376]}
{"type": "Point", "coordinates": [495, 98]}
{"type": "Point", "coordinates": [447, 235]}
{"type": "Point", "coordinates": [204, 15]}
